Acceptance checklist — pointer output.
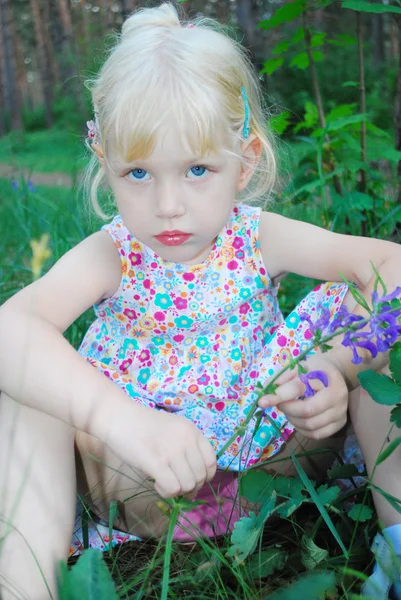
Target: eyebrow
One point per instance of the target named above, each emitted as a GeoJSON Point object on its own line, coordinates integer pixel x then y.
{"type": "Point", "coordinates": [181, 163]}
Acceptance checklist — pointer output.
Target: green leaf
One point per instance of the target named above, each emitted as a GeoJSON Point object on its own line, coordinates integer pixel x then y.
{"type": "Point", "coordinates": [390, 154]}
{"type": "Point", "coordinates": [362, 6]}
{"type": "Point", "coordinates": [340, 123]}
{"type": "Point", "coordinates": [285, 14]}
{"type": "Point", "coordinates": [359, 200]}
{"type": "Point", "coordinates": [396, 416]}
{"type": "Point", "coordinates": [301, 60]}
{"type": "Point", "coordinates": [89, 579]}
{"type": "Point", "coordinates": [311, 587]}
{"type": "Point", "coordinates": [344, 41]}
{"type": "Point", "coordinates": [279, 123]}
{"type": "Point", "coordinates": [298, 36]}
{"type": "Point", "coordinates": [343, 472]}
{"type": "Point", "coordinates": [342, 110]}
{"type": "Point", "coordinates": [256, 484]}
{"type": "Point", "coordinates": [360, 512]}
{"type": "Point", "coordinates": [349, 84]}
{"type": "Point", "coordinates": [266, 562]}
{"type": "Point", "coordinates": [389, 450]}
{"type": "Point", "coordinates": [395, 362]}
{"type": "Point", "coordinates": [272, 65]}
{"type": "Point", "coordinates": [326, 494]}
{"type": "Point", "coordinates": [308, 485]}
{"type": "Point", "coordinates": [317, 39]}
{"type": "Point", "coordinates": [311, 554]}
{"type": "Point", "coordinates": [381, 387]}
{"type": "Point", "coordinates": [247, 531]}
{"type": "Point", "coordinates": [311, 117]}
{"type": "Point", "coordinates": [281, 47]}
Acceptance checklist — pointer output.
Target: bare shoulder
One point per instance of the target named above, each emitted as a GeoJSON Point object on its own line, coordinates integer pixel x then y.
{"type": "Point", "coordinates": [82, 277]}
{"type": "Point", "coordinates": [272, 229]}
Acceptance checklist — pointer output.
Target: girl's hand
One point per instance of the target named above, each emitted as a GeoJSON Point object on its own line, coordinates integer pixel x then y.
{"type": "Point", "coordinates": [167, 448]}
{"type": "Point", "coordinates": [319, 416]}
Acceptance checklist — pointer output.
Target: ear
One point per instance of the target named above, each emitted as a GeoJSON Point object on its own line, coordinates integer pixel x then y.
{"type": "Point", "coordinates": [251, 150]}
{"type": "Point", "coordinates": [98, 149]}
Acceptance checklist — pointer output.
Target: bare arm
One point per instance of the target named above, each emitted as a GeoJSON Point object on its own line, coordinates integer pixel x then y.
{"type": "Point", "coordinates": [297, 247]}
{"type": "Point", "coordinates": [38, 367]}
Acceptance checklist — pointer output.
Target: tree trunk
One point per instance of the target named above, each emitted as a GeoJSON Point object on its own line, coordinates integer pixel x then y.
{"type": "Point", "coordinates": [48, 19]}
{"type": "Point", "coordinates": [70, 62]}
{"type": "Point", "coordinates": [2, 81]}
{"type": "Point", "coordinates": [397, 106]}
{"type": "Point", "coordinates": [42, 62]}
{"type": "Point", "coordinates": [12, 98]}
{"type": "Point", "coordinates": [247, 13]}
{"type": "Point", "coordinates": [378, 40]}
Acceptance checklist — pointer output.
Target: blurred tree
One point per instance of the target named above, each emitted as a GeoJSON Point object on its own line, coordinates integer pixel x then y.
{"type": "Point", "coordinates": [44, 67]}
{"type": "Point", "coordinates": [69, 56]}
{"type": "Point", "coordinates": [397, 106]}
{"type": "Point", "coordinates": [11, 96]}
{"type": "Point", "coordinates": [378, 40]}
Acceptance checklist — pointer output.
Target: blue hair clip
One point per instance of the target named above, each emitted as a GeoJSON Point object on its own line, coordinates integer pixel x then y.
{"type": "Point", "coordinates": [247, 128]}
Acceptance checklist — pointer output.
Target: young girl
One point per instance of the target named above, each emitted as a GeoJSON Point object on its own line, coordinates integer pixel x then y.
{"type": "Point", "coordinates": [187, 317]}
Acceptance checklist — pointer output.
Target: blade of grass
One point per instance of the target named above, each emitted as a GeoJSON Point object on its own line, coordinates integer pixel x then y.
{"type": "Point", "coordinates": [307, 483]}
{"type": "Point", "coordinates": [167, 556]}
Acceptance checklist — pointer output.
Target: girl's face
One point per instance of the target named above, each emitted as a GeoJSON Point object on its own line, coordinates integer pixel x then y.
{"type": "Point", "coordinates": [172, 191]}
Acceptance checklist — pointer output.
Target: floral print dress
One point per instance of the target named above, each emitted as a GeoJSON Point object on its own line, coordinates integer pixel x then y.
{"type": "Point", "coordinates": [195, 339]}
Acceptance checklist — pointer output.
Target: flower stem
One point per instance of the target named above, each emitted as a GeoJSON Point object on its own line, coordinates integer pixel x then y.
{"type": "Point", "coordinates": [269, 389]}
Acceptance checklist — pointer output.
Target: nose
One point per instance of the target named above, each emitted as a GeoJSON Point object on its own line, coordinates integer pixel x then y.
{"type": "Point", "coordinates": [169, 203]}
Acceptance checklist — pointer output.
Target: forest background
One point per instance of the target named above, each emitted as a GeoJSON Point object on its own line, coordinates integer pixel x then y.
{"type": "Point", "coordinates": [331, 76]}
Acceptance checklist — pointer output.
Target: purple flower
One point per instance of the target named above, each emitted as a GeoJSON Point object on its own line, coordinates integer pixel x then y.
{"type": "Point", "coordinates": [387, 298]}
{"type": "Point", "coordinates": [305, 377]}
{"type": "Point", "coordinates": [383, 326]}
{"type": "Point", "coordinates": [344, 318]}
{"type": "Point", "coordinates": [15, 184]}
{"type": "Point", "coordinates": [321, 323]}
{"type": "Point", "coordinates": [362, 341]}
{"type": "Point", "coordinates": [30, 186]}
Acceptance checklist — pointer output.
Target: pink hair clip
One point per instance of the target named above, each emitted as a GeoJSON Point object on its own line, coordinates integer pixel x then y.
{"type": "Point", "coordinates": [190, 26]}
{"type": "Point", "coordinates": [92, 129]}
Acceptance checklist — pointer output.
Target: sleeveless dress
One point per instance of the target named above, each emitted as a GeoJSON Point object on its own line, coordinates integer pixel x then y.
{"type": "Point", "coordinates": [194, 340]}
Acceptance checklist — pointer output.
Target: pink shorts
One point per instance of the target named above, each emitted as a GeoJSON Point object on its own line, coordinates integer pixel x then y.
{"type": "Point", "coordinates": [216, 517]}
{"type": "Point", "coordinates": [219, 513]}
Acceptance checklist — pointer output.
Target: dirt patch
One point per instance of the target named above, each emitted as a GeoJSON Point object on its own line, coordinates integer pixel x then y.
{"type": "Point", "coordinates": [45, 179]}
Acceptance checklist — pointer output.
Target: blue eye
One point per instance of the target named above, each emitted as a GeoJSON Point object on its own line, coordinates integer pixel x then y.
{"type": "Point", "coordinates": [138, 174]}
{"type": "Point", "coordinates": [197, 171]}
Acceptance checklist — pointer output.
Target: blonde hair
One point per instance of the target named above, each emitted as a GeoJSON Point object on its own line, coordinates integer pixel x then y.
{"type": "Point", "coordinates": [162, 71]}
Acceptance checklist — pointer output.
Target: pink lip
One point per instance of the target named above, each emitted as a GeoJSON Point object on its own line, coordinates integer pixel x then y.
{"type": "Point", "coordinates": [173, 238]}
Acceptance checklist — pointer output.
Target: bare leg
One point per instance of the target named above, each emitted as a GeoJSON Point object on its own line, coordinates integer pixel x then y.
{"type": "Point", "coordinates": [371, 422]}
{"type": "Point", "coordinates": [314, 465]}
{"type": "Point", "coordinates": [102, 477]}
{"type": "Point", "coordinates": [37, 500]}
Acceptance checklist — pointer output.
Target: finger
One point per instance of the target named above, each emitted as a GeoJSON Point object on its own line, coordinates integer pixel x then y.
{"type": "Point", "coordinates": [184, 475]}
{"type": "Point", "coordinates": [323, 433]}
{"type": "Point", "coordinates": [307, 408]}
{"type": "Point", "coordinates": [287, 391]}
{"type": "Point", "coordinates": [319, 422]}
{"type": "Point", "coordinates": [167, 484]}
{"type": "Point", "coordinates": [209, 457]}
{"type": "Point", "coordinates": [198, 467]}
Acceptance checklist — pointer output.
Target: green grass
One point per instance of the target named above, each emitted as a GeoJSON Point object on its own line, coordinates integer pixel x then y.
{"type": "Point", "coordinates": [46, 151]}
{"type": "Point", "coordinates": [202, 572]}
